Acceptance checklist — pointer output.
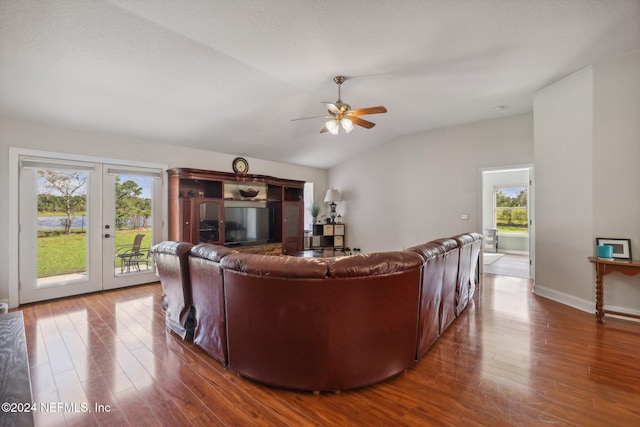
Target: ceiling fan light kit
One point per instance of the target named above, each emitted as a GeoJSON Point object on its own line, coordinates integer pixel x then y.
{"type": "Point", "coordinates": [333, 125]}
{"type": "Point", "coordinates": [341, 114]}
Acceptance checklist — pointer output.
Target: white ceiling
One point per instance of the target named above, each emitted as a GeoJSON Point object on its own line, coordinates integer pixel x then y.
{"type": "Point", "coordinates": [229, 76]}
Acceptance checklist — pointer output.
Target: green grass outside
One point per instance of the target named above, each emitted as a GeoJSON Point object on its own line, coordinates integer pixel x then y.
{"type": "Point", "coordinates": [67, 254]}
{"type": "Point", "coordinates": [512, 229]}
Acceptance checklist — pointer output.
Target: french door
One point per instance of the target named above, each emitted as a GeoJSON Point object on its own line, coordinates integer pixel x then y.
{"type": "Point", "coordinates": [85, 226]}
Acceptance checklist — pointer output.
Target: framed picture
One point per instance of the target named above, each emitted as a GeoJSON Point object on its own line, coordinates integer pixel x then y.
{"type": "Point", "coordinates": [621, 247]}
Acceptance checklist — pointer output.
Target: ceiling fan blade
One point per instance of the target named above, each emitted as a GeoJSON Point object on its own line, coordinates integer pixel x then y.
{"type": "Point", "coordinates": [312, 117]}
{"type": "Point", "coordinates": [332, 107]}
{"type": "Point", "coordinates": [324, 129]}
{"type": "Point", "coordinates": [361, 122]}
{"type": "Point", "coordinates": [371, 110]}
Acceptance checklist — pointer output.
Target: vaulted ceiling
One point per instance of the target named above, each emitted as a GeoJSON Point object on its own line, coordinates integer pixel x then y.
{"type": "Point", "coordinates": [229, 76]}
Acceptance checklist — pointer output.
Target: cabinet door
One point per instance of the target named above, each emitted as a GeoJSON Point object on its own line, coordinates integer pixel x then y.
{"type": "Point", "coordinates": [292, 227]}
{"type": "Point", "coordinates": [184, 218]}
{"type": "Point", "coordinates": [207, 221]}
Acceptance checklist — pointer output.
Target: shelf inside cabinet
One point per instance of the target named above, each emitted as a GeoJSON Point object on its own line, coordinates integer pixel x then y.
{"type": "Point", "coordinates": [190, 188]}
{"type": "Point", "coordinates": [234, 190]}
{"type": "Point", "coordinates": [293, 194]}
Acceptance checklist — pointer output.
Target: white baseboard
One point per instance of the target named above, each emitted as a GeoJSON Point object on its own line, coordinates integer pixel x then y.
{"type": "Point", "coordinates": [619, 309]}
{"type": "Point", "coordinates": [579, 303]}
{"type": "Point", "coordinates": [566, 299]}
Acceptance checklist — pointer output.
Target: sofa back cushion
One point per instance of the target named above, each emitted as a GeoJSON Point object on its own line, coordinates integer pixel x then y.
{"type": "Point", "coordinates": [476, 247]}
{"type": "Point", "coordinates": [211, 252]}
{"type": "Point", "coordinates": [428, 250]}
{"type": "Point", "coordinates": [208, 299]}
{"type": "Point", "coordinates": [171, 259]}
{"type": "Point", "coordinates": [276, 266]}
{"type": "Point", "coordinates": [430, 295]}
{"type": "Point", "coordinates": [378, 263]}
{"type": "Point", "coordinates": [464, 267]}
{"type": "Point", "coordinates": [449, 282]}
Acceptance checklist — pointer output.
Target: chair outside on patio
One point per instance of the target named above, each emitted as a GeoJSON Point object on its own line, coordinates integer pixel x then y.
{"type": "Point", "coordinates": [132, 255]}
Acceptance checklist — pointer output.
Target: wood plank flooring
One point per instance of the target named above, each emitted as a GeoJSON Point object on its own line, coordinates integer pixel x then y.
{"type": "Point", "coordinates": [511, 359]}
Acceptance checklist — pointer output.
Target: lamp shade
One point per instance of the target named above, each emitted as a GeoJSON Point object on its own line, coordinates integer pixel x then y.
{"type": "Point", "coordinates": [347, 125]}
{"type": "Point", "coordinates": [332, 126]}
{"type": "Point", "coordinates": [332, 195]}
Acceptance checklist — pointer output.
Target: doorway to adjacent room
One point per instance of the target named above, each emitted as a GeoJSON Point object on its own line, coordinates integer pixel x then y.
{"type": "Point", "coordinates": [507, 221]}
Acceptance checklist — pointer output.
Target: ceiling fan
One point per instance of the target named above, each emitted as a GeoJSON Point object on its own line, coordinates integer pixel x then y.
{"type": "Point", "coordinates": [341, 114]}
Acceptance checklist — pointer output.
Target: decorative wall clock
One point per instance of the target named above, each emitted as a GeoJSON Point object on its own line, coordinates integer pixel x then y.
{"type": "Point", "coordinates": [240, 165]}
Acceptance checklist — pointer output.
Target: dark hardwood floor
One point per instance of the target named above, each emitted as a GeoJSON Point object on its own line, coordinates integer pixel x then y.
{"type": "Point", "coordinates": [511, 359]}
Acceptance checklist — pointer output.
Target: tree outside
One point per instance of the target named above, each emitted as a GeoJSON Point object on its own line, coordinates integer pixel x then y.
{"type": "Point", "coordinates": [511, 210]}
{"type": "Point", "coordinates": [71, 195]}
{"type": "Point", "coordinates": [62, 243]}
{"type": "Point", "coordinates": [132, 210]}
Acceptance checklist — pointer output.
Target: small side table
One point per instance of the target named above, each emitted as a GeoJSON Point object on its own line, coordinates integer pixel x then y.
{"type": "Point", "coordinates": [604, 267]}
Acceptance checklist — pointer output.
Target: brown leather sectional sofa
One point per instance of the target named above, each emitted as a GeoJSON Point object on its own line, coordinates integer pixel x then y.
{"type": "Point", "coordinates": [320, 323]}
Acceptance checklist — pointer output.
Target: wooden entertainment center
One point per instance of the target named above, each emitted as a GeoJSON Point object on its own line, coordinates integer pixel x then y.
{"type": "Point", "coordinates": [199, 198]}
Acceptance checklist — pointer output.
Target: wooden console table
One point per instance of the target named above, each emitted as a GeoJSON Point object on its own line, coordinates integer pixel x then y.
{"type": "Point", "coordinates": [603, 267]}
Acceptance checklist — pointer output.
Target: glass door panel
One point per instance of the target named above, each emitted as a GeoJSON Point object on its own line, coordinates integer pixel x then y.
{"type": "Point", "coordinates": [209, 221]}
{"type": "Point", "coordinates": [131, 224]}
{"type": "Point", "coordinates": [59, 220]}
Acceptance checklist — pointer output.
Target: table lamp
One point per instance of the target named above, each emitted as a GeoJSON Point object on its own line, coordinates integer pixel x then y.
{"type": "Point", "coordinates": [332, 197]}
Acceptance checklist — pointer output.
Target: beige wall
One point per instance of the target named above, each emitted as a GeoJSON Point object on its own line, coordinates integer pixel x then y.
{"type": "Point", "coordinates": [616, 168]}
{"type": "Point", "coordinates": [416, 188]}
{"type": "Point", "coordinates": [564, 195]}
{"type": "Point", "coordinates": [587, 148]}
{"type": "Point", "coordinates": [23, 134]}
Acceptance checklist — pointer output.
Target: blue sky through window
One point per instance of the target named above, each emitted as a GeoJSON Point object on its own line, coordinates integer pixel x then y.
{"type": "Point", "coordinates": [511, 191]}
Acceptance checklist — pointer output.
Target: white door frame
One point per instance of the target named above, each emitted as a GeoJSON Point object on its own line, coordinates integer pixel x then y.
{"type": "Point", "coordinates": [530, 206]}
{"type": "Point", "coordinates": [13, 208]}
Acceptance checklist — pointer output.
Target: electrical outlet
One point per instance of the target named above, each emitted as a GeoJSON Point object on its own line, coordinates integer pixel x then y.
{"type": "Point", "coordinates": [464, 216]}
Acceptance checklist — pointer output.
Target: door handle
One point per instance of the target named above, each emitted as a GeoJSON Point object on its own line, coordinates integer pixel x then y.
{"type": "Point", "coordinates": [106, 236]}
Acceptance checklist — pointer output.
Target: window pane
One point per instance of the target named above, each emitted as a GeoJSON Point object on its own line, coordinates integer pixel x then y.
{"type": "Point", "coordinates": [511, 215]}
{"type": "Point", "coordinates": [133, 222]}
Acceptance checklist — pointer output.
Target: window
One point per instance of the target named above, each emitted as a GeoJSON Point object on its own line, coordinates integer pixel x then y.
{"type": "Point", "coordinates": [510, 208]}
{"type": "Point", "coordinates": [308, 201]}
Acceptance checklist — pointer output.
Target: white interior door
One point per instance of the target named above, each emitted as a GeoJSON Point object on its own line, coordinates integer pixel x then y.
{"type": "Point", "coordinates": [77, 226]}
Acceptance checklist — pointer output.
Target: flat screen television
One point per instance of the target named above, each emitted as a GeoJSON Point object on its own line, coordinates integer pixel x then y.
{"type": "Point", "coordinates": [248, 225]}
